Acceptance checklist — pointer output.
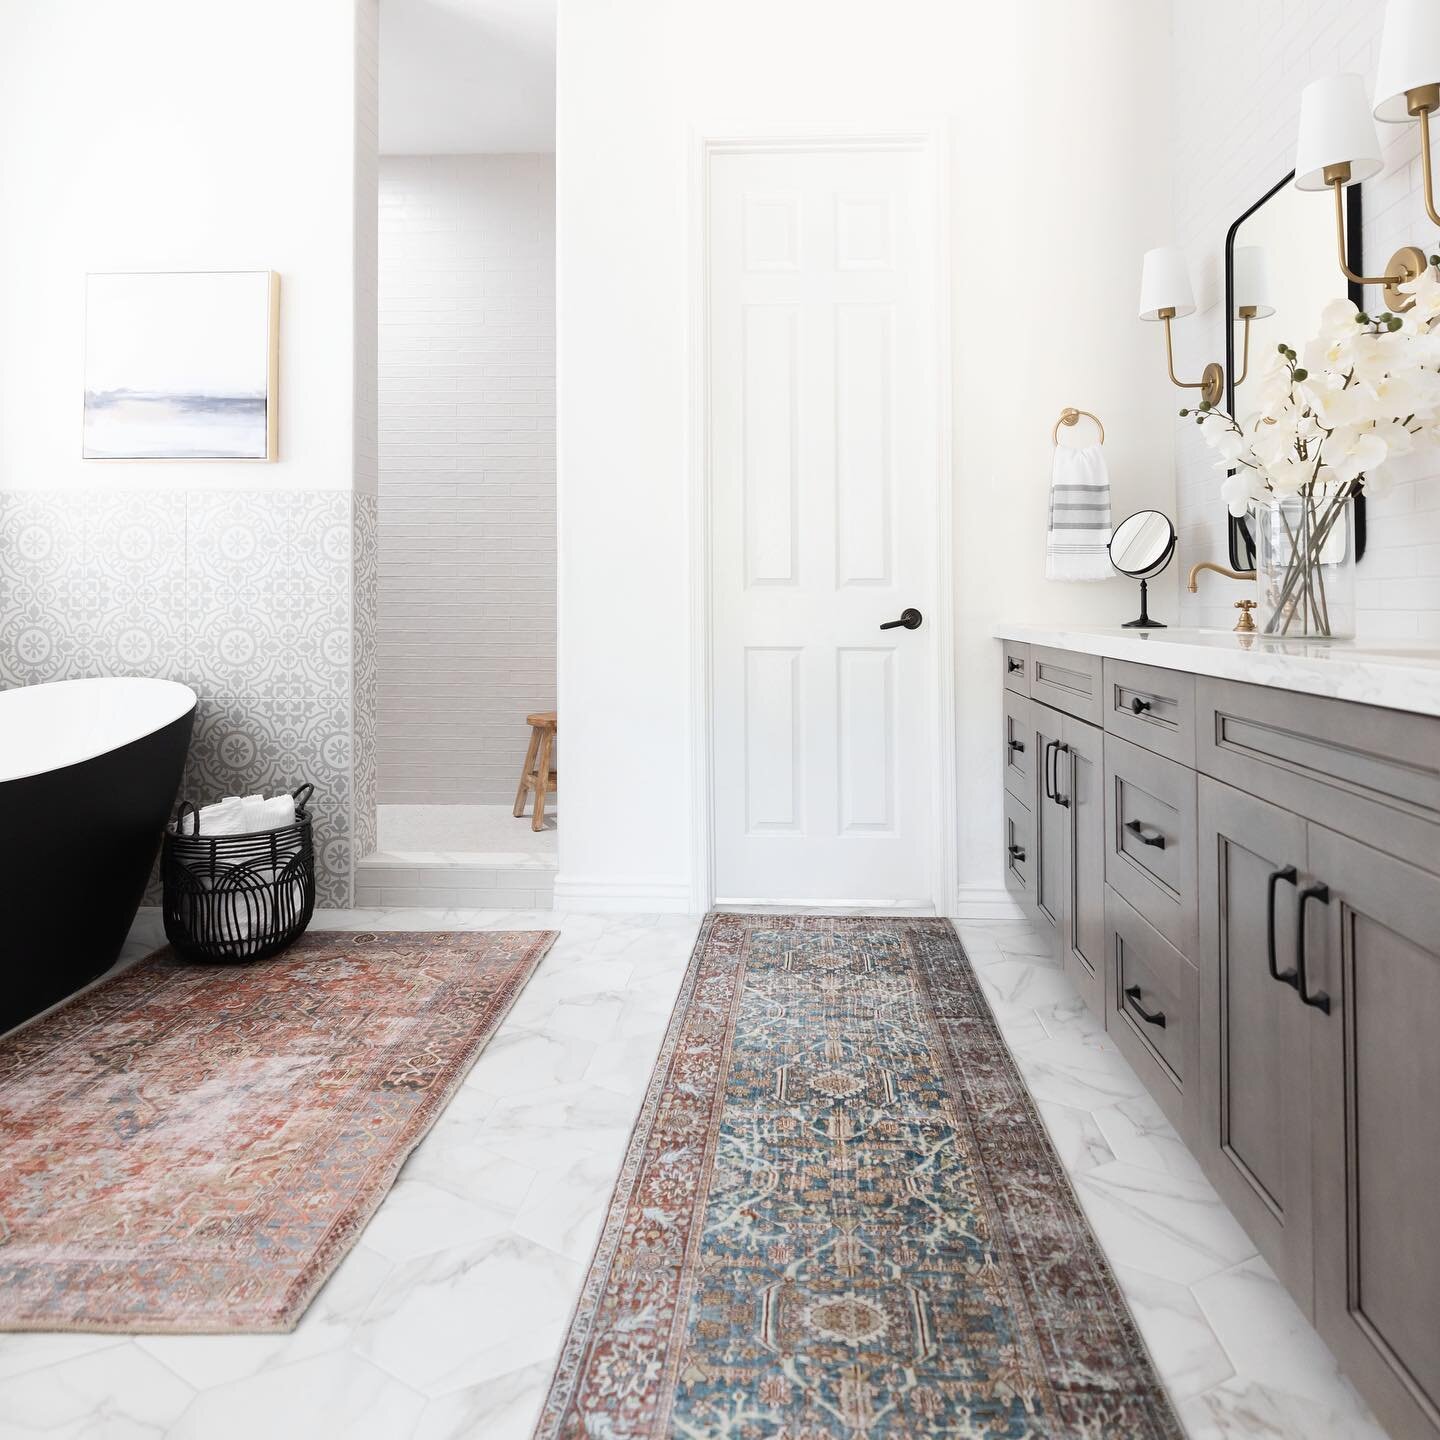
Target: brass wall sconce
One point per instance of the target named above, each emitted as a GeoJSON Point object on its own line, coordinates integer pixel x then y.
{"type": "Point", "coordinates": [1339, 146]}
{"type": "Point", "coordinates": [1165, 295]}
{"type": "Point", "coordinates": [1252, 293]}
{"type": "Point", "coordinates": [1407, 82]}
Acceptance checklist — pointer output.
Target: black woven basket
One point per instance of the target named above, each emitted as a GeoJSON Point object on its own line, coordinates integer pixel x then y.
{"type": "Point", "coordinates": [231, 898]}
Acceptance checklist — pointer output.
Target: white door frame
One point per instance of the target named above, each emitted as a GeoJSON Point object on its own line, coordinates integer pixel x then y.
{"type": "Point", "coordinates": [930, 140]}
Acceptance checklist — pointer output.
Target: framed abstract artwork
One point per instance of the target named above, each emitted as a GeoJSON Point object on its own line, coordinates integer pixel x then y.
{"type": "Point", "coordinates": [182, 365]}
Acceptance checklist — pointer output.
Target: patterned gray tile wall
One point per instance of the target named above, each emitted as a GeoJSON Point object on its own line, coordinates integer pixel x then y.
{"type": "Point", "coordinates": [253, 598]}
{"type": "Point", "coordinates": [366, 674]}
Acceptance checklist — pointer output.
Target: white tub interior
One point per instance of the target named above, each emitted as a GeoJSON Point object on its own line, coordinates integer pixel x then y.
{"type": "Point", "coordinates": [47, 727]}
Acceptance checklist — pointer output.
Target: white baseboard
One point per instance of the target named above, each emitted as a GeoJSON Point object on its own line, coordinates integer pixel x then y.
{"type": "Point", "coordinates": [645, 897]}
{"type": "Point", "coordinates": [979, 902]}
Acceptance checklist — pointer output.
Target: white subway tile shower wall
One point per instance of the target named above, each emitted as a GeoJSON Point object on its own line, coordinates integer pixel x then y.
{"type": "Point", "coordinates": [1239, 68]}
{"type": "Point", "coordinates": [467, 471]}
{"type": "Point", "coordinates": [246, 596]}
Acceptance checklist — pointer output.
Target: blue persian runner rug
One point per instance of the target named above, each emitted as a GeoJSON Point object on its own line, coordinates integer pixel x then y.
{"type": "Point", "coordinates": [840, 1218]}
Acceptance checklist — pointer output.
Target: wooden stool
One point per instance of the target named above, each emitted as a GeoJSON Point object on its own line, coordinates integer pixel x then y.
{"type": "Point", "coordinates": [539, 772]}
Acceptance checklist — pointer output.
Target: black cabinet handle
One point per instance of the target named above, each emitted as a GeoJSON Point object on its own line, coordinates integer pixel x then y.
{"type": "Point", "coordinates": [1157, 841]}
{"type": "Point", "coordinates": [1017, 745]}
{"type": "Point", "coordinates": [910, 619]}
{"type": "Point", "coordinates": [1017, 852]}
{"type": "Point", "coordinates": [1319, 999]}
{"type": "Point", "coordinates": [1012, 665]}
{"type": "Point", "coordinates": [1287, 874]}
{"type": "Point", "coordinates": [1061, 749]}
{"type": "Point", "coordinates": [1139, 706]}
{"type": "Point", "coordinates": [1049, 747]}
{"type": "Point", "coordinates": [1150, 1017]}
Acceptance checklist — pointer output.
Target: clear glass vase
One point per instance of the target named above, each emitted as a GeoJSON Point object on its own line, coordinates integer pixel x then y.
{"type": "Point", "coordinates": [1305, 565]}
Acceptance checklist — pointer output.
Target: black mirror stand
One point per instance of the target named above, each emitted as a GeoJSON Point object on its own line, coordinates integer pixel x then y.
{"type": "Point", "coordinates": [1144, 622]}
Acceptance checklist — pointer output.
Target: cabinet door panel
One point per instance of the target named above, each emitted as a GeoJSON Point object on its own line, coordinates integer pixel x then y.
{"type": "Point", "coordinates": [1376, 1068]}
{"type": "Point", "coordinates": [1018, 757]}
{"type": "Point", "coordinates": [1255, 1106]}
{"type": "Point", "coordinates": [1150, 838]}
{"type": "Point", "coordinates": [1019, 841]}
{"type": "Point", "coordinates": [1150, 1010]}
{"type": "Point", "coordinates": [1015, 663]}
{"type": "Point", "coordinates": [1051, 824]}
{"type": "Point", "coordinates": [1067, 680]}
{"type": "Point", "coordinates": [1083, 784]}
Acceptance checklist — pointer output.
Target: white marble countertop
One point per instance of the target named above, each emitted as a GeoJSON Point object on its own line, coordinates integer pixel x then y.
{"type": "Point", "coordinates": [1396, 676]}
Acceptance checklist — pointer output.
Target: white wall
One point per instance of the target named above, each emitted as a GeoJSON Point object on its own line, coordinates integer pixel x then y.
{"type": "Point", "coordinates": [467, 471]}
{"type": "Point", "coordinates": [1238, 71]}
{"type": "Point", "coordinates": [161, 134]}
{"type": "Point", "coordinates": [1057, 121]}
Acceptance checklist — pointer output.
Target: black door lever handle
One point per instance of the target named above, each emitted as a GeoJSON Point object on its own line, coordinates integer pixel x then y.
{"type": "Point", "coordinates": [909, 619]}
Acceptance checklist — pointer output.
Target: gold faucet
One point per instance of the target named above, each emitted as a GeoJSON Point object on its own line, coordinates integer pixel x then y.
{"type": "Point", "coordinates": [1219, 570]}
{"type": "Point", "coordinates": [1245, 625]}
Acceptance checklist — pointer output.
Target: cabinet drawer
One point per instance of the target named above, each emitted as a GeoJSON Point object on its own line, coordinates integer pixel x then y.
{"type": "Point", "coordinates": [1019, 751]}
{"type": "Point", "coordinates": [1370, 773]}
{"type": "Point", "coordinates": [1015, 662]}
{"type": "Point", "coordinates": [1019, 840]}
{"type": "Point", "coordinates": [1151, 707]}
{"type": "Point", "coordinates": [1150, 1009]}
{"type": "Point", "coordinates": [1150, 838]}
{"type": "Point", "coordinates": [1067, 680]}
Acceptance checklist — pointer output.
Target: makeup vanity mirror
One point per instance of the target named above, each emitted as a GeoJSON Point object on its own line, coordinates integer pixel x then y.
{"type": "Point", "coordinates": [1141, 546]}
{"type": "Point", "coordinates": [1280, 273]}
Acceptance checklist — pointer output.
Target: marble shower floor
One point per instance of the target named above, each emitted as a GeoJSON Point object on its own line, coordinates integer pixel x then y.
{"type": "Point", "coordinates": [445, 1319]}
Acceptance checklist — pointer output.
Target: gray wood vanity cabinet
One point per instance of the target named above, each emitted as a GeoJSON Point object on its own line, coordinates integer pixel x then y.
{"type": "Point", "coordinates": [1061, 787]}
{"type": "Point", "coordinates": [1245, 884]}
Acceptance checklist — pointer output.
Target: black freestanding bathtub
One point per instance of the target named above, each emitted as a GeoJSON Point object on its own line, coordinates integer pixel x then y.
{"type": "Point", "coordinates": [89, 770]}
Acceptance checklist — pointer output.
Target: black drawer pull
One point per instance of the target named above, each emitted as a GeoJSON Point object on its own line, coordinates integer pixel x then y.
{"type": "Point", "coordinates": [1150, 1017]}
{"type": "Point", "coordinates": [1012, 665]}
{"type": "Point", "coordinates": [1050, 745]}
{"type": "Point", "coordinates": [1157, 840]}
{"type": "Point", "coordinates": [1062, 749]}
{"type": "Point", "coordinates": [1319, 999]}
{"type": "Point", "coordinates": [1139, 706]}
{"type": "Point", "coordinates": [1017, 852]}
{"type": "Point", "coordinates": [1018, 746]}
{"type": "Point", "coordinates": [1286, 977]}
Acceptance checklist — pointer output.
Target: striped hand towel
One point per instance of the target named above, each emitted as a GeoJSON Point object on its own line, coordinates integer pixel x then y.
{"type": "Point", "coordinates": [1079, 516]}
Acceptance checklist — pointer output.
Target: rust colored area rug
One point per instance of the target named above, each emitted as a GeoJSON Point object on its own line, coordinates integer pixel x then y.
{"type": "Point", "coordinates": [192, 1149]}
{"type": "Point", "coordinates": [840, 1218]}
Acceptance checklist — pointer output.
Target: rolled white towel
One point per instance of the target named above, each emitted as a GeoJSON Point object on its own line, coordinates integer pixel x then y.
{"type": "Point", "coordinates": [257, 813]}
{"type": "Point", "coordinates": [244, 814]}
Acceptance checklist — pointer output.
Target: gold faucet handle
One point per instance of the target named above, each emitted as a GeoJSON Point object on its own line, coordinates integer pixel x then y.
{"type": "Point", "coordinates": [1245, 624]}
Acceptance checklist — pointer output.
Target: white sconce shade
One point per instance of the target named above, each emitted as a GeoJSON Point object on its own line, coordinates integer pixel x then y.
{"type": "Point", "coordinates": [1252, 280]}
{"type": "Point", "coordinates": [1409, 56]}
{"type": "Point", "coordinates": [1336, 128]}
{"type": "Point", "coordinates": [1165, 284]}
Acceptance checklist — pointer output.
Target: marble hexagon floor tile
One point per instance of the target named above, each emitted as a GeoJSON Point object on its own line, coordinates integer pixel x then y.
{"type": "Point", "coordinates": [444, 1322]}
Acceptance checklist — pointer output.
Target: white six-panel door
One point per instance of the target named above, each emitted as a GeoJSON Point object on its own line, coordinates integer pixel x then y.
{"type": "Point", "coordinates": [823, 435]}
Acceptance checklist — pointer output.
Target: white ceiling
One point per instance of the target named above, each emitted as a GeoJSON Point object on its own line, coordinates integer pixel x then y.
{"type": "Point", "coordinates": [465, 76]}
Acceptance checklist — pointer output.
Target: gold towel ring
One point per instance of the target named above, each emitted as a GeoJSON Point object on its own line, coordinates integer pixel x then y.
{"type": "Point", "coordinates": [1071, 416]}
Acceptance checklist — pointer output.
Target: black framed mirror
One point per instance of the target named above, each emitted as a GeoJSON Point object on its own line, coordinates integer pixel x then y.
{"type": "Point", "coordinates": [1289, 273]}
